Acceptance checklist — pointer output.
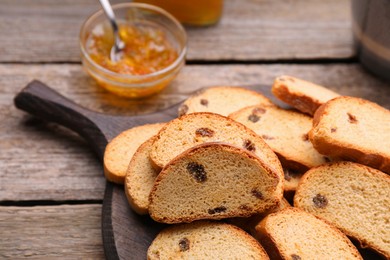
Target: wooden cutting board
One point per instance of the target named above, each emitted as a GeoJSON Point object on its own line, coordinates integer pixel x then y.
{"type": "Point", "coordinates": [126, 235]}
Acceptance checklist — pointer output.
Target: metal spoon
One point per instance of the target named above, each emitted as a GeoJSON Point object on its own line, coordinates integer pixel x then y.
{"type": "Point", "coordinates": [116, 50]}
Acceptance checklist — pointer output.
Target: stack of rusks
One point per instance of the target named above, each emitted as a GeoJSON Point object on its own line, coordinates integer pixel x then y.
{"type": "Point", "coordinates": [238, 177]}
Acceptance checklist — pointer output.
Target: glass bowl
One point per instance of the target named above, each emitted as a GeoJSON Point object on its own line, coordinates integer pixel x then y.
{"type": "Point", "coordinates": [136, 14]}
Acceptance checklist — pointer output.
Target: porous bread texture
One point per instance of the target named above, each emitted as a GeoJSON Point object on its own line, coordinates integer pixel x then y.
{"type": "Point", "coordinates": [353, 197]}
{"type": "Point", "coordinates": [300, 94]}
{"type": "Point", "coordinates": [285, 131]}
{"type": "Point", "coordinates": [140, 178]}
{"type": "Point", "coordinates": [205, 240]}
{"type": "Point", "coordinates": [121, 149]}
{"type": "Point", "coordinates": [189, 130]}
{"type": "Point", "coordinates": [294, 234]}
{"type": "Point", "coordinates": [214, 181]}
{"type": "Point", "coordinates": [221, 100]}
{"type": "Point", "coordinates": [353, 129]}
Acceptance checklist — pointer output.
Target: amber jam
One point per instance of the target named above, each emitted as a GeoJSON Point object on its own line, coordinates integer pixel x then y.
{"type": "Point", "coordinates": [147, 49]}
{"type": "Point", "coordinates": [199, 12]}
{"type": "Point", "coordinates": [154, 52]}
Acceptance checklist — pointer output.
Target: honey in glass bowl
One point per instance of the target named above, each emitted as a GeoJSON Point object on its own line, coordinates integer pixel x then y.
{"type": "Point", "coordinates": [198, 13]}
{"type": "Point", "coordinates": [154, 53]}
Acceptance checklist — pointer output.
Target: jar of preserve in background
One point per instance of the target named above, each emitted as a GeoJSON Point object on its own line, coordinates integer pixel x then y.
{"type": "Point", "coordinates": [191, 12]}
{"type": "Point", "coordinates": [371, 30]}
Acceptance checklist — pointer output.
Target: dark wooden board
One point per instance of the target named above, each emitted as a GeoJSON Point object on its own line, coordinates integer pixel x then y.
{"type": "Point", "coordinates": [126, 235]}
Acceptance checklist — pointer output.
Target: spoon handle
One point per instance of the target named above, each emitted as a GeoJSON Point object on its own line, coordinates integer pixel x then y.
{"type": "Point", "coordinates": [118, 43]}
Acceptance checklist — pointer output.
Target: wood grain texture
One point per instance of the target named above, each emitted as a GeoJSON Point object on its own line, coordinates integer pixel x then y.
{"type": "Point", "coordinates": [256, 30]}
{"type": "Point", "coordinates": [49, 232]}
{"type": "Point", "coordinates": [47, 162]}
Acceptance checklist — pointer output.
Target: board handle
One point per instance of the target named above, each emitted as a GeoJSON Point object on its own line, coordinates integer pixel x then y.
{"type": "Point", "coordinates": [43, 102]}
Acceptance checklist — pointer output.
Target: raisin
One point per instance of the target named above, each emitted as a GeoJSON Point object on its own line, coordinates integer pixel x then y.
{"type": "Point", "coordinates": [290, 174]}
{"type": "Point", "coordinates": [257, 193]}
{"type": "Point", "coordinates": [217, 210]}
{"type": "Point", "coordinates": [267, 137]}
{"type": "Point", "coordinates": [245, 207]}
{"type": "Point", "coordinates": [254, 118]}
{"type": "Point", "coordinates": [333, 130]}
{"type": "Point", "coordinates": [326, 159]}
{"type": "Point", "coordinates": [197, 171]}
{"type": "Point", "coordinates": [183, 109]}
{"type": "Point", "coordinates": [352, 119]}
{"type": "Point", "coordinates": [204, 132]}
{"type": "Point", "coordinates": [305, 137]}
{"type": "Point", "coordinates": [249, 146]}
{"type": "Point", "coordinates": [320, 201]}
{"type": "Point", "coordinates": [291, 79]}
{"type": "Point", "coordinates": [184, 244]}
{"type": "Point", "coordinates": [259, 110]}
{"type": "Point", "coordinates": [295, 257]}
{"type": "Point", "coordinates": [204, 102]}
{"type": "Point", "coordinates": [287, 175]}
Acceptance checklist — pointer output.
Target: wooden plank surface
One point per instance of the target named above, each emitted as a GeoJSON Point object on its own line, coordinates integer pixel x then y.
{"type": "Point", "coordinates": [51, 232]}
{"type": "Point", "coordinates": [45, 162]}
{"type": "Point", "coordinates": [256, 30]}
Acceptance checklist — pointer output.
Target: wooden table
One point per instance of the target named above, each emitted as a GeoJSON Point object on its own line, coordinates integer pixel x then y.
{"type": "Point", "coordinates": [51, 184]}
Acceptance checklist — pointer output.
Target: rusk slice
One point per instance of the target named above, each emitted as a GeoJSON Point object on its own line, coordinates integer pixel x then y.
{"type": "Point", "coordinates": [285, 131]}
{"type": "Point", "coordinates": [205, 240]}
{"type": "Point", "coordinates": [353, 197]}
{"type": "Point", "coordinates": [214, 181]}
{"type": "Point", "coordinates": [140, 178]}
{"type": "Point", "coordinates": [222, 100]}
{"type": "Point", "coordinates": [121, 149]}
{"type": "Point", "coordinates": [302, 95]}
{"type": "Point", "coordinates": [353, 129]}
{"type": "Point", "coordinates": [294, 234]}
{"type": "Point", "coordinates": [187, 131]}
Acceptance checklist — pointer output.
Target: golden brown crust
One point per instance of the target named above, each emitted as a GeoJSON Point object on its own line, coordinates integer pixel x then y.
{"type": "Point", "coordinates": [275, 250]}
{"type": "Point", "coordinates": [277, 195]}
{"type": "Point", "coordinates": [306, 179]}
{"type": "Point", "coordinates": [302, 95]}
{"type": "Point", "coordinates": [120, 150]}
{"type": "Point", "coordinates": [264, 150]}
{"type": "Point", "coordinates": [301, 102]}
{"type": "Point", "coordinates": [222, 100]}
{"type": "Point", "coordinates": [285, 131]}
{"type": "Point", "coordinates": [137, 180]}
{"type": "Point", "coordinates": [267, 241]}
{"type": "Point", "coordinates": [327, 144]}
{"type": "Point", "coordinates": [213, 239]}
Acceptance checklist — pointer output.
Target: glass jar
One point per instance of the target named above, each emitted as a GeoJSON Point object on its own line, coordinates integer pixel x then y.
{"type": "Point", "coordinates": [135, 14]}
{"type": "Point", "coordinates": [198, 13]}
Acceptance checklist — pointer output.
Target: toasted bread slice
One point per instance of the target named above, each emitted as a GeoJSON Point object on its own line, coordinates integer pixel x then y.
{"type": "Point", "coordinates": [295, 234]}
{"type": "Point", "coordinates": [140, 178]}
{"type": "Point", "coordinates": [285, 131]}
{"type": "Point", "coordinates": [214, 181]}
{"type": "Point", "coordinates": [353, 129]}
{"type": "Point", "coordinates": [187, 131]}
{"type": "Point", "coordinates": [300, 94]}
{"type": "Point", "coordinates": [221, 100]}
{"type": "Point", "coordinates": [353, 197]}
{"type": "Point", "coordinates": [205, 240]}
{"type": "Point", "coordinates": [121, 149]}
